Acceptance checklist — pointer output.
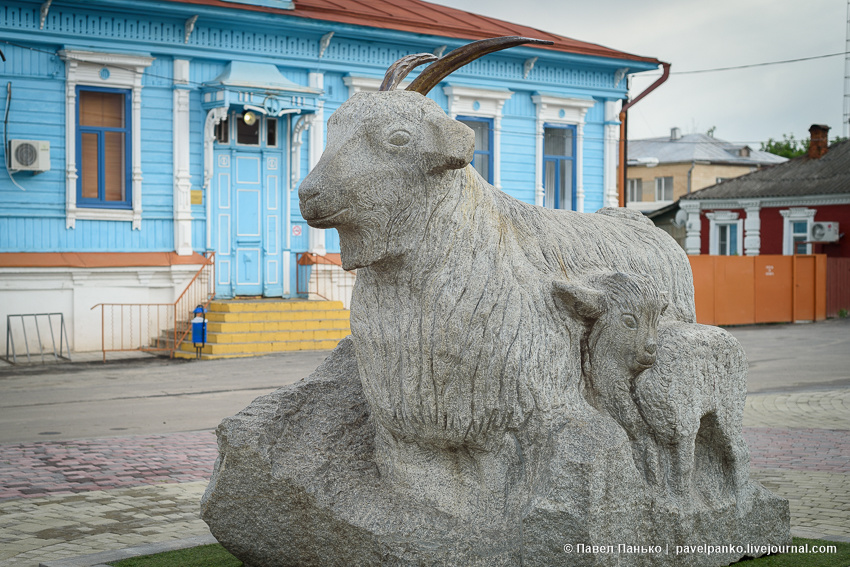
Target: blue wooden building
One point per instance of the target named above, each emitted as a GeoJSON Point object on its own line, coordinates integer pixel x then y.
{"type": "Point", "coordinates": [141, 135]}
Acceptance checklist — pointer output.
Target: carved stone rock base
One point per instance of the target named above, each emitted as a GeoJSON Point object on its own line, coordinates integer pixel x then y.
{"type": "Point", "coordinates": [296, 484]}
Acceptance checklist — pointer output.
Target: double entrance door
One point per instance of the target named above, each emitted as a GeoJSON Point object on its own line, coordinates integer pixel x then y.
{"type": "Point", "coordinates": [249, 210]}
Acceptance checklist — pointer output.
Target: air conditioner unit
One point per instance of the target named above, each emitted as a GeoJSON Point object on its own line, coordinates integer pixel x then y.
{"type": "Point", "coordinates": [29, 155]}
{"type": "Point", "coordinates": [824, 232]}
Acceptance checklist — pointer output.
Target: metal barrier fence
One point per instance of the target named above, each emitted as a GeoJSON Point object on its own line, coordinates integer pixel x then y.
{"type": "Point", "coordinates": [322, 277]}
{"type": "Point", "coordinates": [36, 317]}
{"type": "Point", "coordinates": [837, 287]}
{"type": "Point", "coordinates": [156, 327]}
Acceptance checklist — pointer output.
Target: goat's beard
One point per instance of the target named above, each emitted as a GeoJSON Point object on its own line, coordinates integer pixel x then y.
{"type": "Point", "coordinates": [363, 245]}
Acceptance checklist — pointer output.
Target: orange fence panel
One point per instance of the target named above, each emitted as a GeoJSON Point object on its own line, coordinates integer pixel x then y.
{"type": "Point", "coordinates": [804, 288]}
{"type": "Point", "coordinates": [773, 280]}
{"type": "Point", "coordinates": [734, 290]}
{"type": "Point", "coordinates": [742, 290]}
{"type": "Point", "coordinates": [703, 270]}
{"type": "Point", "coordinates": [820, 287]}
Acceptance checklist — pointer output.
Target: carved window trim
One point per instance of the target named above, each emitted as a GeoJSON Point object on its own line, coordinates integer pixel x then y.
{"type": "Point", "coordinates": [729, 220]}
{"type": "Point", "coordinates": [791, 216]}
{"type": "Point", "coordinates": [111, 70]}
{"type": "Point", "coordinates": [482, 103]}
{"type": "Point", "coordinates": [553, 110]}
{"type": "Point", "coordinates": [484, 125]}
{"type": "Point", "coordinates": [366, 84]}
{"type": "Point", "coordinates": [552, 194]}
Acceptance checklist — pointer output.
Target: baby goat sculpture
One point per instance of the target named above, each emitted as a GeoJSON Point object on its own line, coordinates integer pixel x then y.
{"type": "Point", "coordinates": [462, 352]}
{"type": "Point", "coordinates": [677, 389]}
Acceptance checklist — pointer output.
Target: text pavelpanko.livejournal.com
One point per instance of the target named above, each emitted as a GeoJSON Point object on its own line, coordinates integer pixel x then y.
{"type": "Point", "coordinates": [703, 549]}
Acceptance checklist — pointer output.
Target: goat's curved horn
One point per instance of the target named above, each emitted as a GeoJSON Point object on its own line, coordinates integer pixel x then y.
{"type": "Point", "coordinates": [454, 60]}
{"type": "Point", "coordinates": [399, 70]}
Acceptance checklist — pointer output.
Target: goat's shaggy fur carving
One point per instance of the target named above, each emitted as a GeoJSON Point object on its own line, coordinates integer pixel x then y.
{"type": "Point", "coordinates": [677, 389]}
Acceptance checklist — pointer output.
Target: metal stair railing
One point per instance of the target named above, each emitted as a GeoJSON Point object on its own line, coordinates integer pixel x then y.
{"type": "Point", "coordinates": [324, 277]}
{"type": "Point", "coordinates": [63, 335]}
{"type": "Point", "coordinates": [141, 326]}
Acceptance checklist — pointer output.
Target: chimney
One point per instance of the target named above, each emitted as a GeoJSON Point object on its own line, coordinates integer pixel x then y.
{"type": "Point", "coordinates": [675, 134]}
{"type": "Point", "coordinates": [819, 141]}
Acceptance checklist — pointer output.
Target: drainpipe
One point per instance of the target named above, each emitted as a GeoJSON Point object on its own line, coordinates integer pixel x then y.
{"type": "Point", "coordinates": [690, 173]}
{"type": "Point", "coordinates": [621, 179]}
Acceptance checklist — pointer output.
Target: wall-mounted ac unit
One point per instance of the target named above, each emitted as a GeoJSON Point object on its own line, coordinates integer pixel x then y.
{"type": "Point", "coordinates": [29, 155]}
{"type": "Point", "coordinates": [823, 231]}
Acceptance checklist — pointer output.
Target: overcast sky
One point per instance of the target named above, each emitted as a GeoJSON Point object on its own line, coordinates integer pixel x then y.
{"type": "Point", "coordinates": [747, 105]}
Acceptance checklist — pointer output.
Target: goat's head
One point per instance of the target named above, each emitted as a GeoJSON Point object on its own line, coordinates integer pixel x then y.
{"type": "Point", "coordinates": [622, 312]}
{"type": "Point", "coordinates": [385, 151]}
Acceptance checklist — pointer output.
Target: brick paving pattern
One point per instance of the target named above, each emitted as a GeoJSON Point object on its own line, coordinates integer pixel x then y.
{"type": "Point", "coordinates": [63, 499]}
{"type": "Point", "coordinates": [68, 467]}
{"type": "Point", "coordinates": [48, 528]}
{"type": "Point", "coordinates": [799, 449]}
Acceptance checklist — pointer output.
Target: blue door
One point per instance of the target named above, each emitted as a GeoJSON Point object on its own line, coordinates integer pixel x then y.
{"type": "Point", "coordinates": [249, 209]}
{"type": "Point", "coordinates": [248, 214]}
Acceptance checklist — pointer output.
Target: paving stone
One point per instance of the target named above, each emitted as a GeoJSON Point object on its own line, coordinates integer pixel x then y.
{"type": "Point", "coordinates": [799, 447]}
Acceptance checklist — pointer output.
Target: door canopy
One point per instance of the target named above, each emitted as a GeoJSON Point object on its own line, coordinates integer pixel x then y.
{"type": "Point", "coordinates": [259, 87]}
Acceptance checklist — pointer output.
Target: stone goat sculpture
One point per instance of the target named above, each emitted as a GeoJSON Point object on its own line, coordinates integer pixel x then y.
{"type": "Point", "coordinates": [466, 420]}
{"type": "Point", "coordinates": [460, 346]}
{"type": "Point", "coordinates": [677, 389]}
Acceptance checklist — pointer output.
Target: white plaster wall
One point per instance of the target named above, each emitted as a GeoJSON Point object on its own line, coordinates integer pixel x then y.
{"type": "Point", "coordinates": [73, 292]}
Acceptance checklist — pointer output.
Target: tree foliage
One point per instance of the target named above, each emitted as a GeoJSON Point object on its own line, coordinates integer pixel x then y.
{"type": "Point", "coordinates": [790, 147]}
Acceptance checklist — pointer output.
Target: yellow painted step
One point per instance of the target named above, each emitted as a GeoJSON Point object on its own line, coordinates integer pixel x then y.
{"type": "Point", "coordinates": [237, 306]}
{"type": "Point", "coordinates": [255, 316]}
{"type": "Point", "coordinates": [251, 349]}
{"type": "Point", "coordinates": [279, 336]}
{"type": "Point", "coordinates": [274, 326]}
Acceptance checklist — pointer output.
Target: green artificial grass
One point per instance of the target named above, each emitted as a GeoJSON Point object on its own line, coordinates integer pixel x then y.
{"type": "Point", "coordinates": [204, 556]}
{"type": "Point", "coordinates": [216, 556]}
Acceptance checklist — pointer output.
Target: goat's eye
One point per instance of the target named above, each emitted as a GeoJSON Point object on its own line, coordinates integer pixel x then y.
{"type": "Point", "coordinates": [629, 321]}
{"type": "Point", "coordinates": [399, 138]}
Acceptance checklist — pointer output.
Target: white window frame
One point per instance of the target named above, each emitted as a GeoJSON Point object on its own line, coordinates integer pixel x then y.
{"type": "Point", "coordinates": [717, 219]}
{"type": "Point", "coordinates": [482, 103]}
{"type": "Point", "coordinates": [658, 190]}
{"type": "Point", "coordinates": [631, 183]}
{"type": "Point", "coordinates": [789, 217]}
{"type": "Point", "coordinates": [98, 69]}
{"type": "Point", "coordinates": [555, 111]}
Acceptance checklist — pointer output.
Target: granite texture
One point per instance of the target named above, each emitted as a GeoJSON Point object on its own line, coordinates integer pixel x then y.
{"type": "Point", "coordinates": [498, 399]}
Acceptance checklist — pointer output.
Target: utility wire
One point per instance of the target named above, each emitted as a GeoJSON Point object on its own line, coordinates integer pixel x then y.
{"type": "Point", "coordinates": [716, 69]}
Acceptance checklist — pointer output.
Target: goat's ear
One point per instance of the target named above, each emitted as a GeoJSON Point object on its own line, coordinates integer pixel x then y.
{"type": "Point", "coordinates": [578, 301]}
{"type": "Point", "coordinates": [455, 144]}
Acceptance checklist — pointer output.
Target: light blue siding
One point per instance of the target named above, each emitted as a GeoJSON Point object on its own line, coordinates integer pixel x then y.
{"type": "Point", "coordinates": [40, 234]}
{"type": "Point", "coordinates": [520, 105]}
{"type": "Point", "coordinates": [518, 157]}
{"type": "Point", "coordinates": [36, 112]}
{"type": "Point", "coordinates": [34, 220]}
{"type": "Point", "coordinates": [157, 154]}
{"type": "Point", "coordinates": [594, 160]}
